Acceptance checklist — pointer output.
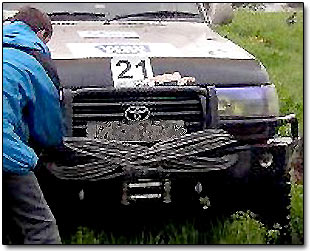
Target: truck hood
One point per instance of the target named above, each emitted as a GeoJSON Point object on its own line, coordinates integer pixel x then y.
{"type": "Point", "coordinates": [192, 49]}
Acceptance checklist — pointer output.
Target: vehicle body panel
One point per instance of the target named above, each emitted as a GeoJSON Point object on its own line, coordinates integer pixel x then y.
{"type": "Point", "coordinates": [192, 40]}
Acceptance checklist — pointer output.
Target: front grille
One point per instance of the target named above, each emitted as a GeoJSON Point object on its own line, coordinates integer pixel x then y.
{"type": "Point", "coordinates": [110, 105]}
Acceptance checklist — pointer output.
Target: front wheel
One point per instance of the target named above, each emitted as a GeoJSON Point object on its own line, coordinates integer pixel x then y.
{"type": "Point", "coordinates": [268, 189]}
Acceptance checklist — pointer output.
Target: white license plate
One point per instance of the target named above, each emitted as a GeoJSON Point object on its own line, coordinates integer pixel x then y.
{"type": "Point", "coordinates": [135, 131]}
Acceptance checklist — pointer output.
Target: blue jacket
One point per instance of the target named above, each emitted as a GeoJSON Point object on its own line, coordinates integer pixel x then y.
{"type": "Point", "coordinates": [31, 105]}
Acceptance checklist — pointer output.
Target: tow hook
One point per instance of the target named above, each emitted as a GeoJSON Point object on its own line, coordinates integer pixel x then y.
{"type": "Point", "coordinates": [124, 200]}
{"type": "Point", "coordinates": [205, 202]}
{"type": "Point", "coordinates": [81, 194]}
{"type": "Point", "coordinates": [167, 189]}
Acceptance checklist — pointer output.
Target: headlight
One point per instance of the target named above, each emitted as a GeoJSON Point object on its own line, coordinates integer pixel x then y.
{"type": "Point", "coordinates": [256, 101]}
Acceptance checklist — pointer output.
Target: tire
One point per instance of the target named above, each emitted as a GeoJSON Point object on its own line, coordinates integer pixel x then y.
{"type": "Point", "coordinates": [269, 192]}
{"type": "Point", "coordinates": [265, 191]}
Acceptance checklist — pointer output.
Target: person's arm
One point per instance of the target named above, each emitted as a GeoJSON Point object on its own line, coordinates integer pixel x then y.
{"type": "Point", "coordinates": [17, 156]}
{"type": "Point", "coordinates": [45, 118]}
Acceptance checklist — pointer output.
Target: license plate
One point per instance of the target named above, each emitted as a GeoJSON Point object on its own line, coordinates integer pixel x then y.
{"type": "Point", "coordinates": [135, 131]}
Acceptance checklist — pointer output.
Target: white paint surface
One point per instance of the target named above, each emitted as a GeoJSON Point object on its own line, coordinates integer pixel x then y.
{"type": "Point", "coordinates": [107, 34]}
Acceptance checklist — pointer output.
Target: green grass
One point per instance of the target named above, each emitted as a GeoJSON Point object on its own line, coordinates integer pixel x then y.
{"type": "Point", "coordinates": [240, 228]}
{"type": "Point", "coordinates": [297, 218]}
{"type": "Point", "coordinates": [280, 48]}
{"type": "Point", "coordinates": [171, 234]}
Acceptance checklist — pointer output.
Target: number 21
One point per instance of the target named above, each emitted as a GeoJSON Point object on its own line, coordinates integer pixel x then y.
{"type": "Point", "coordinates": [128, 67]}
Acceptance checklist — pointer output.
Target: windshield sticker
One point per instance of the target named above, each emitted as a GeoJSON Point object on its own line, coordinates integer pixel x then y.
{"type": "Point", "coordinates": [130, 71]}
{"type": "Point", "coordinates": [107, 34]}
{"type": "Point", "coordinates": [99, 50]}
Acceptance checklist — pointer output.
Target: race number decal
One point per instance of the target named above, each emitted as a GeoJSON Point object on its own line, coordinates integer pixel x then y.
{"type": "Point", "coordinates": [130, 71]}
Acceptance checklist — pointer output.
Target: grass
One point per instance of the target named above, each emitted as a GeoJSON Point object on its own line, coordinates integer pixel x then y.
{"type": "Point", "coordinates": [171, 234]}
{"type": "Point", "coordinates": [280, 48]}
{"type": "Point", "coordinates": [240, 228]}
{"type": "Point", "coordinates": [297, 218]}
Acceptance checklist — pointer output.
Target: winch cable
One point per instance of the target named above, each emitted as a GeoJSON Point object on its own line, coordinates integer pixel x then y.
{"type": "Point", "coordinates": [112, 159]}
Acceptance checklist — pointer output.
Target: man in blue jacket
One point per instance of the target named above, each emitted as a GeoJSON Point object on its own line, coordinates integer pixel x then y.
{"type": "Point", "coordinates": [31, 110]}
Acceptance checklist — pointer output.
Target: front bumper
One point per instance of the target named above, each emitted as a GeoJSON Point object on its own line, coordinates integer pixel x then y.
{"type": "Point", "coordinates": [194, 155]}
{"type": "Point", "coordinates": [256, 129]}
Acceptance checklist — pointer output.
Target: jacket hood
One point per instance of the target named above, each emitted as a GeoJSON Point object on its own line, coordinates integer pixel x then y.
{"type": "Point", "coordinates": [19, 34]}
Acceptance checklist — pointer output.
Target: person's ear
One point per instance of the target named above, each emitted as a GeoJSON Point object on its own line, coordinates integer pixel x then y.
{"type": "Point", "coordinates": [42, 35]}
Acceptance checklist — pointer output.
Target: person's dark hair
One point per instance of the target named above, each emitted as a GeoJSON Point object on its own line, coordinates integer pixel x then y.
{"type": "Point", "coordinates": [36, 19]}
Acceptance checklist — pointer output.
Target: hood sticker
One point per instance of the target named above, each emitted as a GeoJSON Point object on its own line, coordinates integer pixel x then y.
{"type": "Point", "coordinates": [107, 34]}
{"type": "Point", "coordinates": [98, 50]}
{"type": "Point", "coordinates": [123, 48]}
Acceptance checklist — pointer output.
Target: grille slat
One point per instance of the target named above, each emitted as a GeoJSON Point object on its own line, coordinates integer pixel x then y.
{"type": "Point", "coordinates": [176, 113]}
{"type": "Point", "coordinates": [120, 103]}
{"type": "Point", "coordinates": [154, 114]}
{"type": "Point", "coordinates": [98, 115]}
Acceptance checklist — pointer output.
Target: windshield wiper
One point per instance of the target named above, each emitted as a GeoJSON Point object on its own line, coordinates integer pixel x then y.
{"type": "Point", "coordinates": [156, 14]}
{"type": "Point", "coordinates": [75, 16]}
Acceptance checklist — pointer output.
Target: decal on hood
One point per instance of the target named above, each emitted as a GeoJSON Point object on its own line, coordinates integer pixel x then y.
{"type": "Point", "coordinates": [123, 48]}
{"type": "Point", "coordinates": [97, 50]}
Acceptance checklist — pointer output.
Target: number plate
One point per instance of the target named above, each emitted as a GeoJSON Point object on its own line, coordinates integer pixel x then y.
{"type": "Point", "coordinates": [146, 131]}
{"type": "Point", "coordinates": [130, 71]}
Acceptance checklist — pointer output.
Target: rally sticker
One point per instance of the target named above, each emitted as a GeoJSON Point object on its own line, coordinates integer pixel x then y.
{"type": "Point", "coordinates": [97, 50]}
{"type": "Point", "coordinates": [123, 48]}
{"type": "Point", "coordinates": [131, 71]}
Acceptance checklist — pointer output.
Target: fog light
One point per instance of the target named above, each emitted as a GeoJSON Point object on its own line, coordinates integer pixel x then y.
{"type": "Point", "coordinates": [266, 160]}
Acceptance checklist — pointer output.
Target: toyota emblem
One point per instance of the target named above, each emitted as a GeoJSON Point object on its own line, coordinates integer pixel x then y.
{"type": "Point", "coordinates": [137, 113]}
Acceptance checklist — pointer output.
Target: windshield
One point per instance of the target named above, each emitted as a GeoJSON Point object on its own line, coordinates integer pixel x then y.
{"type": "Point", "coordinates": [113, 11]}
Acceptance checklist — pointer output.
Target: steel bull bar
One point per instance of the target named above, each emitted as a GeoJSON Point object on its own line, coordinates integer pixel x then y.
{"type": "Point", "coordinates": [202, 151]}
{"type": "Point", "coordinates": [146, 173]}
